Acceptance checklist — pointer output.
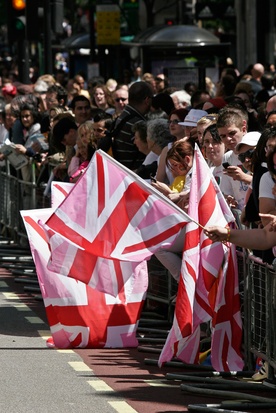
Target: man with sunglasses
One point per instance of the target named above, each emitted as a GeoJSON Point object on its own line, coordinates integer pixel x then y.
{"type": "Point", "coordinates": [120, 97]}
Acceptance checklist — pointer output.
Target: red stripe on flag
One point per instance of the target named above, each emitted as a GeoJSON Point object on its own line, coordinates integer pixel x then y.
{"type": "Point", "coordinates": [101, 183]}
{"type": "Point", "coordinates": [155, 240]}
{"type": "Point", "coordinates": [109, 235]}
{"type": "Point", "coordinates": [36, 227]}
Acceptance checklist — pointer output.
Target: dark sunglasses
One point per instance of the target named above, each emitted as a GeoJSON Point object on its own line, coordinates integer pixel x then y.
{"type": "Point", "coordinates": [120, 99]}
{"type": "Point", "coordinates": [159, 79]}
{"type": "Point", "coordinates": [248, 154]}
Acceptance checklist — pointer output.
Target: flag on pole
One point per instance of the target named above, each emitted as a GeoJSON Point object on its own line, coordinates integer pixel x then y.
{"type": "Point", "coordinates": [99, 300]}
{"type": "Point", "coordinates": [208, 288]}
{"type": "Point", "coordinates": [110, 215]}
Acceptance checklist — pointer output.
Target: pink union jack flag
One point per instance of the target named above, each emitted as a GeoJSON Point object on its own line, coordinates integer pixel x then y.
{"type": "Point", "coordinates": [80, 316]}
{"type": "Point", "coordinates": [110, 215]}
{"type": "Point", "coordinates": [208, 288]}
{"type": "Point", "coordinates": [99, 300]}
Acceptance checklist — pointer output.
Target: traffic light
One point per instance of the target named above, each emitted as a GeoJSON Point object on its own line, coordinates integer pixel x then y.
{"type": "Point", "coordinates": [16, 20]}
{"type": "Point", "coordinates": [18, 4]}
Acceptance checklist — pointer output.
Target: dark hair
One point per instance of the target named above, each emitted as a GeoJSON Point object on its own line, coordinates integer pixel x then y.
{"type": "Point", "coordinates": [195, 98]}
{"type": "Point", "coordinates": [180, 113]}
{"type": "Point", "coordinates": [78, 98]}
{"type": "Point", "coordinates": [32, 109]}
{"type": "Point", "coordinates": [272, 112]}
{"type": "Point", "coordinates": [102, 115]}
{"type": "Point", "coordinates": [163, 101]}
{"type": "Point", "coordinates": [190, 85]}
{"type": "Point", "coordinates": [259, 154]}
{"type": "Point", "coordinates": [60, 129]}
{"type": "Point", "coordinates": [212, 129]}
{"type": "Point", "coordinates": [60, 92]}
{"type": "Point", "coordinates": [270, 163]}
{"type": "Point", "coordinates": [138, 92]}
{"type": "Point", "coordinates": [141, 128]}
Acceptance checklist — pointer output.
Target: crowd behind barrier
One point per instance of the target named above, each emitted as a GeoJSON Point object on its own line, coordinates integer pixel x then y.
{"type": "Point", "coordinates": [256, 279]}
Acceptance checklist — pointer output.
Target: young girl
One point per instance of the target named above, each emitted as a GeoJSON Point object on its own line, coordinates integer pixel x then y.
{"type": "Point", "coordinates": [179, 160]}
{"type": "Point", "coordinates": [85, 150]}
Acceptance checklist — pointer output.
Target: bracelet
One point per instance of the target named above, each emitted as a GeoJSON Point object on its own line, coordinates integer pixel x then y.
{"type": "Point", "coordinates": [228, 235]}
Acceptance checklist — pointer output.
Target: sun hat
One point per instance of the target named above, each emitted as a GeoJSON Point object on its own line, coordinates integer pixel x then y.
{"type": "Point", "coordinates": [250, 138]}
{"type": "Point", "coordinates": [193, 117]}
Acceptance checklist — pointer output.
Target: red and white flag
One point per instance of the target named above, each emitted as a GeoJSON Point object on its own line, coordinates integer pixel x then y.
{"type": "Point", "coordinates": [208, 288]}
{"type": "Point", "coordinates": [99, 300]}
{"type": "Point", "coordinates": [110, 218]}
{"type": "Point", "coordinates": [80, 316]}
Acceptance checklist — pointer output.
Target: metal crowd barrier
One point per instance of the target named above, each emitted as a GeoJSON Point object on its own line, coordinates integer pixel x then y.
{"type": "Point", "coordinates": [257, 280]}
{"type": "Point", "coordinates": [261, 313]}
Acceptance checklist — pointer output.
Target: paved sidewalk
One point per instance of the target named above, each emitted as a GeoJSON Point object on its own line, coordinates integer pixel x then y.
{"type": "Point", "coordinates": [36, 379]}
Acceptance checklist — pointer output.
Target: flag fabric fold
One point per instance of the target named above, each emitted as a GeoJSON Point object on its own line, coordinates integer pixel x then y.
{"type": "Point", "coordinates": [93, 299]}
{"type": "Point", "coordinates": [80, 316]}
{"type": "Point", "coordinates": [208, 287]}
{"type": "Point", "coordinates": [91, 251]}
{"type": "Point", "coordinates": [121, 218]}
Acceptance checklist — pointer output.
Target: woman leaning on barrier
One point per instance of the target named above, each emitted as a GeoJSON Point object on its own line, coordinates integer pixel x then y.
{"type": "Point", "coordinates": [29, 119]}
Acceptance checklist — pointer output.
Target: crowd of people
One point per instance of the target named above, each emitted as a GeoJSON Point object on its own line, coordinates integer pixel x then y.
{"type": "Point", "coordinates": [151, 128]}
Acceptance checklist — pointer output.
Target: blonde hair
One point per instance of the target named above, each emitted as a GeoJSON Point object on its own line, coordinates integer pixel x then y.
{"type": "Point", "coordinates": [208, 119]}
{"type": "Point", "coordinates": [47, 78]}
{"type": "Point", "coordinates": [87, 127]}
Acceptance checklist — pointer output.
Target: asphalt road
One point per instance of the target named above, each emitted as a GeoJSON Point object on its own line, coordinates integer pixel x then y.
{"type": "Point", "coordinates": [38, 379]}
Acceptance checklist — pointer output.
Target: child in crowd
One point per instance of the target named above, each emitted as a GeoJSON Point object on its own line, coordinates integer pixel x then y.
{"type": "Point", "coordinates": [180, 161]}
{"type": "Point", "coordinates": [85, 150]}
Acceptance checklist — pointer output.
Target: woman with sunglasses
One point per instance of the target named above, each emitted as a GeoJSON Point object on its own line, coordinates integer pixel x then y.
{"type": "Point", "coordinates": [178, 132]}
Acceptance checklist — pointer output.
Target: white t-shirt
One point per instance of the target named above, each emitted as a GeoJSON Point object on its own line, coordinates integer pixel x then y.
{"type": "Point", "coordinates": [228, 186]}
{"type": "Point", "coordinates": [266, 185]}
{"type": "Point", "coordinates": [217, 171]}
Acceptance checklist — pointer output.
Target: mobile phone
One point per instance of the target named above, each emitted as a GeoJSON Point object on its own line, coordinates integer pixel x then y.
{"type": "Point", "coordinates": [225, 165]}
{"type": "Point", "coordinates": [152, 178]}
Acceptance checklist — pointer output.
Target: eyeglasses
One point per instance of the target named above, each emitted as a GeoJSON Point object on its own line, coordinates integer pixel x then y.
{"type": "Point", "coordinates": [248, 154]}
{"type": "Point", "coordinates": [120, 99]}
{"type": "Point", "coordinates": [173, 121]}
{"type": "Point", "coordinates": [159, 79]}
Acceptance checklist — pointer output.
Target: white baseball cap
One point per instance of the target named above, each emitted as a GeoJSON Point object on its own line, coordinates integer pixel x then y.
{"type": "Point", "coordinates": [250, 139]}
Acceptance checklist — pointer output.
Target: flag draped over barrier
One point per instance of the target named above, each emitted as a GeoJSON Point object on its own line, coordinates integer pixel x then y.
{"type": "Point", "coordinates": [208, 288]}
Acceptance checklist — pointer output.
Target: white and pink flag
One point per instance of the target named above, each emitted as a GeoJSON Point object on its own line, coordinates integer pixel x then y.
{"type": "Point", "coordinates": [208, 288]}
{"type": "Point", "coordinates": [90, 256]}
{"type": "Point", "coordinates": [97, 300]}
